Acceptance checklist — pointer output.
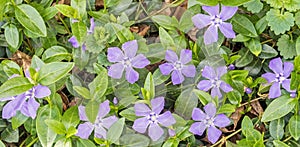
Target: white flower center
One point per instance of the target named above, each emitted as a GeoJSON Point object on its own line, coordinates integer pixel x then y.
{"type": "Point", "coordinates": [216, 82]}
{"type": "Point", "coordinates": [126, 62]}
{"type": "Point", "coordinates": [209, 121]}
{"type": "Point", "coordinates": [30, 93]}
{"type": "Point", "coordinates": [279, 78]}
{"type": "Point", "coordinates": [178, 65]}
{"type": "Point", "coordinates": [152, 117]}
{"type": "Point", "coordinates": [216, 20]}
{"type": "Point", "coordinates": [98, 122]}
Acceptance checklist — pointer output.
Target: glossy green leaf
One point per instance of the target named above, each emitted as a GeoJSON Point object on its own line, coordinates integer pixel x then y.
{"type": "Point", "coordinates": [12, 35]}
{"type": "Point", "coordinates": [67, 10]}
{"type": "Point", "coordinates": [277, 128]}
{"type": "Point", "coordinates": [208, 2]}
{"type": "Point", "coordinates": [246, 58]}
{"type": "Point", "coordinates": [203, 96]}
{"type": "Point", "coordinates": [85, 143]}
{"type": "Point", "coordinates": [80, 6]}
{"type": "Point", "coordinates": [278, 108]}
{"type": "Point", "coordinates": [71, 117]}
{"type": "Point", "coordinates": [49, 13]}
{"type": "Point", "coordinates": [166, 40]}
{"type": "Point", "coordinates": [84, 92]}
{"type": "Point", "coordinates": [165, 21]}
{"type": "Point", "coordinates": [294, 126]}
{"type": "Point", "coordinates": [278, 22]}
{"type": "Point", "coordinates": [10, 68]}
{"type": "Point", "coordinates": [149, 86]}
{"type": "Point", "coordinates": [18, 120]}
{"type": "Point", "coordinates": [79, 30]}
{"type": "Point", "coordinates": [298, 46]}
{"type": "Point", "coordinates": [10, 135]}
{"type": "Point", "coordinates": [56, 126]}
{"type": "Point", "coordinates": [133, 140]}
{"type": "Point", "coordinates": [246, 124]}
{"type": "Point", "coordinates": [3, 4]}
{"type": "Point", "coordinates": [54, 71]}
{"type": "Point", "coordinates": [159, 78]}
{"type": "Point", "coordinates": [30, 18]}
{"type": "Point", "coordinates": [261, 25]}
{"type": "Point", "coordinates": [185, 103]}
{"type": "Point", "coordinates": [99, 85]}
{"type": "Point", "coordinates": [243, 25]}
{"type": "Point", "coordinates": [129, 114]}
{"type": "Point", "coordinates": [234, 2]}
{"type": "Point", "coordinates": [56, 54]}
{"type": "Point", "coordinates": [15, 86]}
{"type": "Point", "coordinates": [226, 108]}
{"type": "Point", "coordinates": [267, 52]}
{"type": "Point", "coordinates": [286, 46]}
{"type": "Point", "coordinates": [254, 46]}
{"type": "Point", "coordinates": [115, 131]}
{"type": "Point", "coordinates": [234, 97]}
{"type": "Point", "coordinates": [278, 143]}
{"type": "Point", "coordinates": [91, 110]}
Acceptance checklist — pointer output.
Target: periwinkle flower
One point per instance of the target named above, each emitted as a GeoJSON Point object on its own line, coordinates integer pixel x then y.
{"type": "Point", "coordinates": [152, 118]}
{"type": "Point", "coordinates": [177, 66]}
{"type": "Point", "coordinates": [73, 39]}
{"type": "Point", "coordinates": [215, 20]}
{"type": "Point", "coordinates": [231, 67]}
{"type": "Point", "coordinates": [99, 126]}
{"type": "Point", "coordinates": [248, 90]}
{"type": "Point", "coordinates": [279, 77]}
{"type": "Point", "coordinates": [126, 59]}
{"type": "Point", "coordinates": [214, 81]}
{"type": "Point", "coordinates": [208, 120]}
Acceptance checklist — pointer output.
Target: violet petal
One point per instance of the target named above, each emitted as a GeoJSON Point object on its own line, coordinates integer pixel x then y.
{"type": "Point", "coordinates": [213, 134]}
{"type": "Point", "coordinates": [155, 131]}
{"type": "Point", "coordinates": [116, 70]}
{"type": "Point", "coordinates": [166, 119]}
{"type": "Point", "coordinates": [210, 109]}
{"type": "Point", "coordinates": [114, 54]}
{"type": "Point", "coordinates": [221, 120]}
{"type": "Point", "coordinates": [131, 75]}
{"type": "Point", "coordinates": [201, 20]}
{"type": "Point", "coordinates": [197, 128]}
{"type": "Point", "coordinates": [226, 29]}
{"type": "Point", "coordinates": [188, 70]}
{"type": "Point", "coordinates": [141, 124]}
{"type": "Point", "coordinates": [211, 35]}
{"type": "Point", "coordinates": [171, 56]}
{"type": "Point", "coordinates": [157, 104]}
{"type": "Point", "coordinates": [130, 48]}
{"type": "Point", "coordinates": [274, 91]}
{"type": "Point", "coordinates": [198, 114]}
{"type": "Point", "coordinates": [84, 130]}
{"type": "Point", "coordinates": [166, 68]}
{"type": "Point", "coordinates": [204, 85]}
{"type": "Point", "coordinates": [141, 109]}
{"type": "Point", "coordinates": [227, 12]}
{"type": "Point", "coordinates": [41, 91]}
{"type": "Point", "coordinates": [211, 10]}
{"type": "Point", "coordinates": [177, 77]}
{"type": "Point", "coordinates": [140, 61]}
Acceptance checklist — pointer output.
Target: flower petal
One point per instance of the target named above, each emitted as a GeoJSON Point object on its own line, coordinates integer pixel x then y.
{"type": "Point", "coordinates": [221, 120]}
{"type": "Point", "coordinates": [185, 56]}
{"type": "Point", "coordinates": [157, 104]}
{"type": "Point", "coordinates": [166, 68]}
{"type": "Point", "coordinates": [198, 114]}
{"type": "Point", "coordinates": [155, 131]}
{"type": "Point", "coordinates": [211, 10]}
{"type": "Point", "coordinates": [221, 71]}
{"type": "Point", "coordinates": [213, 134]}
{"type": "Point", "coordinates": [171, 56]}
{"type": "Point", "coordinates": [92, 26]}
{"type": "Point", "coordinates": [201, 20]}
{"type": "Point", "coordinates": [288, 67]}
{"type": "Point", "coordinates": [276, 65]}
{"type": "Point", "coordinates": [100, 132]}
{"type": "Point", "coordinates": [209, 73]}
{"type": "Point", "coordinates": [131, 75]}
{"type": "Point", "coordinates": [140, 125]}
{"type": "Point", "coordinates": [210, 109]}
{"type": "Point", "coordinates": [227, 12]}
{"type": "Point", "coordinates": [103, 109]}
{"type": "Point", "coordinates": [166, 119]}
{"type": "Point", "coordinates": [204, 85]}
{"type": "Point", "coordinates": [226, 29]}
{"type": "Point", "coordinates": [211, 35]}
{"type": "Point", "coordinates": [84, 130]}
{"type": "Point", "coordinates": [114, 54]}
{"type": "Point", "coordinates": [177, 77]}
{"type": "Point", "coordinates": [274, 91]}
{"type": "Point", "coordinates": [286, 84]}
{"type": "Point", "coordinates": [41, 91]}
{"type": "Point", "coordinates": [215, 91]}
{"type": "Point", "coordinates": [270, 77]}
{"type": "Point", "coordinates": [141, 109]}
{"type": "Point", "coordinates": [140, 61]}
{"type": "Point", "coordinates": [225, 87]}
{"type": "Point", "coordinates": [107, 122]}
{"type": "Point", "coordinates": [82, 115]}
{"type": "Point", "coordinates": [188, 70]}
{"type": "Point", "coordinates": [30, 108]}
{"type": "Point", "coordinates": [116, 70]}
{"type": "Point", "coordinates": [197, 128]}
{"type": "Point", "coordinates": [11, 108]}
{"type": "Point", "coordinates": [74, 42]}
{"type": "Point", "coordinates": [130, 48]}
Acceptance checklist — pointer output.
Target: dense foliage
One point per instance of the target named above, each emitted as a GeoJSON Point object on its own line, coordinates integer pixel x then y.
{"type": "Point", "coordinates": [150, 73]}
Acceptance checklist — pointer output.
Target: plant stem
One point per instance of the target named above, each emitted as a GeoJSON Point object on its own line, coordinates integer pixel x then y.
{"type": "Point", "coordinates": [252, 101]}
{"type": "Point", "coordinates": [32, 142]}
{"type": "Point", "coordinates": [63, 22]}
{"type": "Point", "coordinates": [227, 137]}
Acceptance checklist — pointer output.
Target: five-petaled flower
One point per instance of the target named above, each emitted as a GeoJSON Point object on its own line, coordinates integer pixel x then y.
{"type": "Point", "coordinates": [85, 129]}
{"type": "Point", "coordinates": [25, 102]}
{"type": "Point", "coordinates": [214, 81]}
{"type": "Point", "coordinates": [178, 67]}
{"type": "Point", "coordinates": [75, 42]}
{"type": "Point", "coordinates": [215, 20]}
{"type": "Point", "coordinates": [126, 60]}
{"type": "Point", "coordinates": [279, 77]}
{"type": "Point", "coordinates": [208, 120]}
{"type": "Point", "coordinates": [152, 118]}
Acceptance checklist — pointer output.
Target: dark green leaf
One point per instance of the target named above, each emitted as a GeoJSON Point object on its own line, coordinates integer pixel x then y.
{"type": "Point", "coordinates": [12, 35]}
{"type": "Point", "coordinates": [246, 58]}
{"type": "Point", "coordinates": [234, 97]}
{"type": "Point", "coordinates": [294, 126]}
{"type": "Point", "coordinates": [56, 54]}
{"type": "Point", "coordinates": [165, 21]}
{"type": "Point", "coordinates": [134, 140]}
{"type": "Point", "coordinates": [267, 52]}
{"type": "Point", "coordinates": [277, 128]}
{"type": "Point", "coordinates": [18, 120]}
{"type": "Point", "coordinates": [10, 135]}
{"type": "Point", "coordinates": [246, 124]}
{"type": "Point", "coordinates": [243, 25]}
{"type": "Point", "coordinates": [166, 40]}
{"type": "Point", "coordinates": [254, 46]}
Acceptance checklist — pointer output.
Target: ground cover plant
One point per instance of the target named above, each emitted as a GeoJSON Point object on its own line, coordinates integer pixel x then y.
{"type": "Point", "coordinates": [149, 73]}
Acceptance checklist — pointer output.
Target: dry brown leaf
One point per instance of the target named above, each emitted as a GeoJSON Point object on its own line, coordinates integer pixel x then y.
{"type": "Point", "coordinates": [99, 3]}
{"type": "Point", "coordinates": [65, 100]}
{"type": "Point", "coordinates": [143, 30]}
{"type": "Point", "coordinates": [22, 59]}
{"type": "Point", "coordinates": [257, 107]}
{"type": "Point", "coordinates": [236, 116]}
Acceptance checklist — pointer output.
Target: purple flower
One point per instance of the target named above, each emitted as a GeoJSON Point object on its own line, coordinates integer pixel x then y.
{"type": "Point", "coordinates": [280, 76]}
{"type": "Point", "coordinates": [215, 20]}
{"type": "Point", "coordinates": [178, 67]}
{"type": "Point", "coordinates": [248, 90]}
{"type": "Point", "coordinates": [208, 120]}
{"type": "Point", "coordinates": [73, 39]}
{"type": "Point", "coordinates": [126, 59]}
{"type": "Point", "coordinates": [214, 81]}
{"type": "Point", "coordinates": [152, 118]}
{"type": "Point", "coordinates": [100, 125]}
{"type": "Point", "coordinates": [25, 103]}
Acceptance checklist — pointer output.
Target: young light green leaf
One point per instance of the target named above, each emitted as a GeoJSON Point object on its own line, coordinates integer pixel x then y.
{"type": "Point", "coordinates": [298, 46]}
{"type": "Point", "coordinates": [294, 126]}
{"type": "Point", "coordinates": [84, 92]}
{"type": "Point", "coordinates": [67, 10]}
{"type": "Point", "coordinates": [91, 110]}
{"type": "Point", "coordinates": [12, 35]}
{"type": "Point", "coordinates": [254, 46]}
{"type": "Point", "coordinates": [208, 2]}
{"type": "Point", "coordinates": [56, 54]}
{"type": "Point", "coordinates": [56, 126]}
{"type": "Point", "coordinates": [243, 25]}
{"type": "Point", "coordinates": [30, 18]}
{"type": "Point", "coordinates": [278, 22]}
{"type": "Point", "coordinates": [115, 131]}
{"type": "Point", "coordinates": [286, 46]}
{"type": "Point", "coordinates": [79, 31]}
{"type": "Point", "coordinates": [291, 5]}
{"type": "Point", "coordinates": [99, 85]}
{"type": "Point", "coordinates": [234, 2]}
{"type": "Point", "coordinates": [278, 143]}
{"type": "Point", "coordinates": [166, 40]}
{"type": "Point", "coordinates": [80, 6]}
{"type": "Point", "coordinates": [149, 86]}
{"type": "Point", "coordinates": [278, 108]}
{"type": "Point", "coordinates": [15, 86]}
{"type": "Point", "coordinates": [71, 117]}
{"type": "Point", "coordinates": [18, 120]}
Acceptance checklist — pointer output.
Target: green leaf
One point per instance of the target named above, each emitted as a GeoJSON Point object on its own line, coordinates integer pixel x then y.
{"type": "Point", "coordinates": [234, 2]}
{"type": "Point", "coordinates": [254, 46]}
{"type": "Point", "coordinates": [294, 126]}
{"type": "Point", "coordinates": [3, 4]}
{"type": "Point", "coordinates": [115, 131]}
{"type": "Point", "coordinates": [185, 103]}
{"type": "Point", "coordinates": [277, 128]}
{"type": "Point", "coordinates": [67, 10]}
{"type": "Point", "coordinates": [267, 52]}
{"type": "Point", "coordinates": [261, 25]}
{"type": "Point", "coordinates": [203, 96]}
{"type": "Point", "coordinates": [149, 86]}
{"type": "Point", "coordinates": [79, 31]}
{"type": "Point", "coordinates": [241, 38]}
{"type": "Point", "coordinates": [297, 18]}
{"type": "Point", "coordinates": [159, 78]}
{"type": "Point", "coordinates": [234, 97]}
{"type": "Point", "coordinates": [238, 74]}
{"type": "Point", "coordinates": [99, 85]}
{"type": "Point", "coordinates": [278, 108]}
{"type": "Point", "coordinates": [91, 110]}
{"type": "Point", "coordinates": [243, 25]}
{"type": "Point", "coordinates": [63, 142]}
{"type": "Point", "coordinates": [278, 22]}
{"type": "Point", "coordinates": [71, 117]}
{"type": "Point", "coordinates": [226, 108]}
{"type": "Point", "coordinates": [246, 125]}
{"type": "Point", "coordinates": [166, 40]}
{"type": "Point", "coordinates": [45, 134]}
{"type": "Point", "coordinates": [81, 58]}
{"type": "Point", "coordinates": [18, 120]}
{"type": "Point", "coordinates": [129, 114]}
{"type": "Point", "coordinates": [134, 140]}
{"type": "Point", "coordinates": [291, 5]}
{"type": "Point", "coordinates": [10, 135]}
{"type": "Point", "coordinates": [246, 58]}
{"type": "Point", "coordinates": [49, 13]}
{"type": "Point", "coordinates": [15, 86]}
{"type": "Point", "coordinates": [208, 2]}
{"type": "Point", "coordinates": [36, 62]}
{"type": "Point", "coordinates": [80, 6]}
{"type": "Point", "coordinates": [12, 35]}
{"type": "Point", "coordinates": [278, 143]}
{"type": "Point", "coordinates": [298, 46]}
{"type": "Point", "coordinates": [122, 32]}
{"type": "Point", "coordinates": [10, 68]}
{"type": "Point", "coordinates": [56, 126]}
{"type": "Point", "coordinates": [165, 21]}
{"type": "Point", "coordinates": [84, 92]}
{"type": "Point", "coordinates": [56, 54]}
{"type": "Point", "coordinates": [286, 46]}
{"type": "Point", "coordinates": [254, 6]}
{"type": "Point", "coordinates": [85, 143]}
{"type": "Point", "coordinates": [54, 71]}
{"type": "Point", "coordinates": [185, 23]}
{"type": "Point", "coordinates": [30, 18]}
